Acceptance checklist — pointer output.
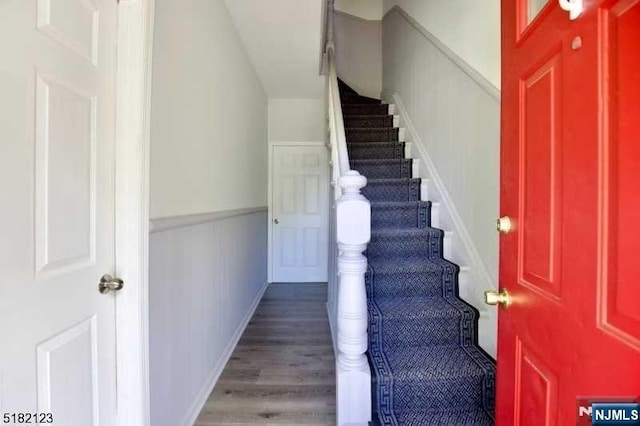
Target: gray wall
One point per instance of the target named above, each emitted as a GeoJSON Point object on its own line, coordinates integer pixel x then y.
{"type": "Point", "coordinates": [359, 53]}
{"type": "Point", "coordinates": [205, 279]}
{"type": "Point", "coordinates": [454, 114]}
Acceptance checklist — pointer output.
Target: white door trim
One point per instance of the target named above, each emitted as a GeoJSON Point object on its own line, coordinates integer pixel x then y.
{"type": "Point", "coordinates": [272, 145]}
{"type": "Point", "coordinates": [135, 42]}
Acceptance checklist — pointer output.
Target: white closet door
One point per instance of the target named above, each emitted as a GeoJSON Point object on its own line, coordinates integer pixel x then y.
{"type": "Point", "coordinates": [300, 213]}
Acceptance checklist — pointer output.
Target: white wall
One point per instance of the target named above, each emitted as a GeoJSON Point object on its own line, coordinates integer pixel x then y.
{"type": "Point", "coordinates": [359, 53]}
{"type": "Point", "coordinates": [470, 28]}
{"type": "Point", "coordinates": [452, 115]}
{"type": "Point", "coordinates": [208, 154]}
{"type": "Point", "coordinates": [209, 114]}
{"type": "Point", "coordinates": [365, 9]}
{"type": "Point", "coordinates": [282, 38]}
{"type": "Point", "coordinates": [297, 120]}
{"type": "Point", "coordinates": [205, 280]}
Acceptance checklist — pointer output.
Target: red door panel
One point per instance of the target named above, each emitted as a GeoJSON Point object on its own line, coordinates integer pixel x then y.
{"type": "Point", "coordinates": [620, 313]}
{"type": "Point", "coordinates": [537, 390]}
{"type": "Point", "coordinates": [570, 182]}
{"type": "Point", "coordinates": [540, 180]}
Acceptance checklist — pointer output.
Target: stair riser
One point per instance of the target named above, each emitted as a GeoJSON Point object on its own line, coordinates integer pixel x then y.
{"type": "Point", "coordinates": [392, 192]}
{"type": "Point", "coordinates": [366, 151]}
{"type": "Point", "coordinates": [404, 218]}
{"type": "Point", "coordinates": [371, 109]}
{"type": "Point", "coordinates": [372, 135]}
{"type": "Point", "coordinates": [381, 121]}
{"type": "Point", "coordinates": [394, 170]}
{"type": "Point", "coordinates": [405, 246]}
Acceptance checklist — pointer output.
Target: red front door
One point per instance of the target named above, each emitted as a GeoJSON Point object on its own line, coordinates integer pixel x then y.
{"type": "Point", "coordinates": [570, 182]}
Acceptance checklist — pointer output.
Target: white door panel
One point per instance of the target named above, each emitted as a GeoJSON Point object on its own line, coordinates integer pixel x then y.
{"type": "Point", "coordinates": [57, 139]}
{"type": "Point", "coordinates": [300, 213]}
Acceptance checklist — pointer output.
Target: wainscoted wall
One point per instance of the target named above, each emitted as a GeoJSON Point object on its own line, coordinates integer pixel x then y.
{"type": "Point", "coordinates": [452, 117]}
{"type": "Point", "coordinates": [207, 275]}
{"type": "Point", "coordinates": [359, 53]}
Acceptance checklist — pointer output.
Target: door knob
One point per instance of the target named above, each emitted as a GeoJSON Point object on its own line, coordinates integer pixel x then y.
{"type": "Point", "coordinates": [276, 221]}
{"type": "Point", "coordinates": [504, 224]}
{"type": "Point", "coordinates": [497, 298]}
{"type": "Point", "coordinates": [108, 283]}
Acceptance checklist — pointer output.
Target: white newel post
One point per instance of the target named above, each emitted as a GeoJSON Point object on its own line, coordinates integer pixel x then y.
{"type": "Point", "coordinates": [353, 220]}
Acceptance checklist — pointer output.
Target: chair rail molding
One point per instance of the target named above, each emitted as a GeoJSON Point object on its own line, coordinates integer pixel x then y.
{"type": "Point", "coordinates": [167, 223]}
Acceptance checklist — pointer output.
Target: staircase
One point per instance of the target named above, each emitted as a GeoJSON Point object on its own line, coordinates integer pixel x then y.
{"type": "Point", "coordinates": [427, 368]}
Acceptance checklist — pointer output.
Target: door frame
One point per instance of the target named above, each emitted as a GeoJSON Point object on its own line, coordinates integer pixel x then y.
{"type": "Point", "coordinates": [272, 146]}
{"type": "Point", "coordinates": [133, 101]}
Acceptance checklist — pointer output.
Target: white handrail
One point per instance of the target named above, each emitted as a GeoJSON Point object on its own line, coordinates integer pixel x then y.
{"type": "Point", "coordinates": [336, 112]}
{"type": "Point", "coordinates": [350, 233]}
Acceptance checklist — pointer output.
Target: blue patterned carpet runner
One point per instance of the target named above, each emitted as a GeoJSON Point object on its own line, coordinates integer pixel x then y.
{"type": "Point", "coordinates": [427, 368]}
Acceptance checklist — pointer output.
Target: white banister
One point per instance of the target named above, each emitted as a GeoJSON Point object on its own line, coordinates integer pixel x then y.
{"type": "Point", "coordinates": [350, 233]}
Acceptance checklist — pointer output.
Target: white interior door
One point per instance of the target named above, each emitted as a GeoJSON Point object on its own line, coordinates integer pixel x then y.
{"type": "Point", "coordinates": [300, 225]}
{"type": "Point", "coordinates": [57, 138]}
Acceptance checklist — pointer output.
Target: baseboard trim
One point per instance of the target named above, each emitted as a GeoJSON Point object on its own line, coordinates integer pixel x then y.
{"type": "Point", "coordinates": [205, 391]}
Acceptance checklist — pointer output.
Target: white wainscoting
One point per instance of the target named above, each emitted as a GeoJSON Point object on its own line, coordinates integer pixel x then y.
{"type": "Point", "coordinates": [206, 279]}
{"type": "Point", "coordinates": [452, 119]}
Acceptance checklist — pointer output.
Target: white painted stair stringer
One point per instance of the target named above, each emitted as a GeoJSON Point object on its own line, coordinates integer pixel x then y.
{"type": "Point", "coordinates": [458, 247]}
{"type": "Point", "coordinates": [408, 149]}
{"type": "Point", "coordinates": [435, 215]}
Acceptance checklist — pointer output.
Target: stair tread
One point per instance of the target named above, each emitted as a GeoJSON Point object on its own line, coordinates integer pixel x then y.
{"type": "Point", "coordinates": [373, 142]}
{"type": "Point", "coordinates": [399, 204]}
{"type": "Point", "coordinates": [382, 161]}
{"type": "Point", "coordinates": [364, 105]}
{"type": "Point", "coordinates": [468, 417]}
{"type": "Point", "coordinates": [407, 265]}
{"type": "Point", "coordinates": [364, 116]}
{"type": "Point", "coordinates": [382, 181]}
{"type": "Point", "coordinates": [418, 308]}
{"type": "Point", "coordinates": [437, 362]}
{"type": "Point", "coordinates": [417, 232]}
{"type": "Point", "coordinates": [370, 129]}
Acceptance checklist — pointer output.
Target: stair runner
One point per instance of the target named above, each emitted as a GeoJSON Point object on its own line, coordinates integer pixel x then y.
{"type": "Point", "coordinates": [427, 368]}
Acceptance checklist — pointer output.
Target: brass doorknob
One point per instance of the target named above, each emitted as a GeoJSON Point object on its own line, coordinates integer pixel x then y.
{"type": "Point", "coordinates": [493, 298]}
{"type": "Point", "coordinates": [108, 283]}
{"type": "Point", "coordinates": [504, 224]}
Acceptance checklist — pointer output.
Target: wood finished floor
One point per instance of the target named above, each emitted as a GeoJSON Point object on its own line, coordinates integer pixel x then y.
{"type": "Point", "coordinates": [283, 370]}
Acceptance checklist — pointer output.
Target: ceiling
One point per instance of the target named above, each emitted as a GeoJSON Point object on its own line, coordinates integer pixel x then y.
{"type": "Point", "coordinates": [282, 38]}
